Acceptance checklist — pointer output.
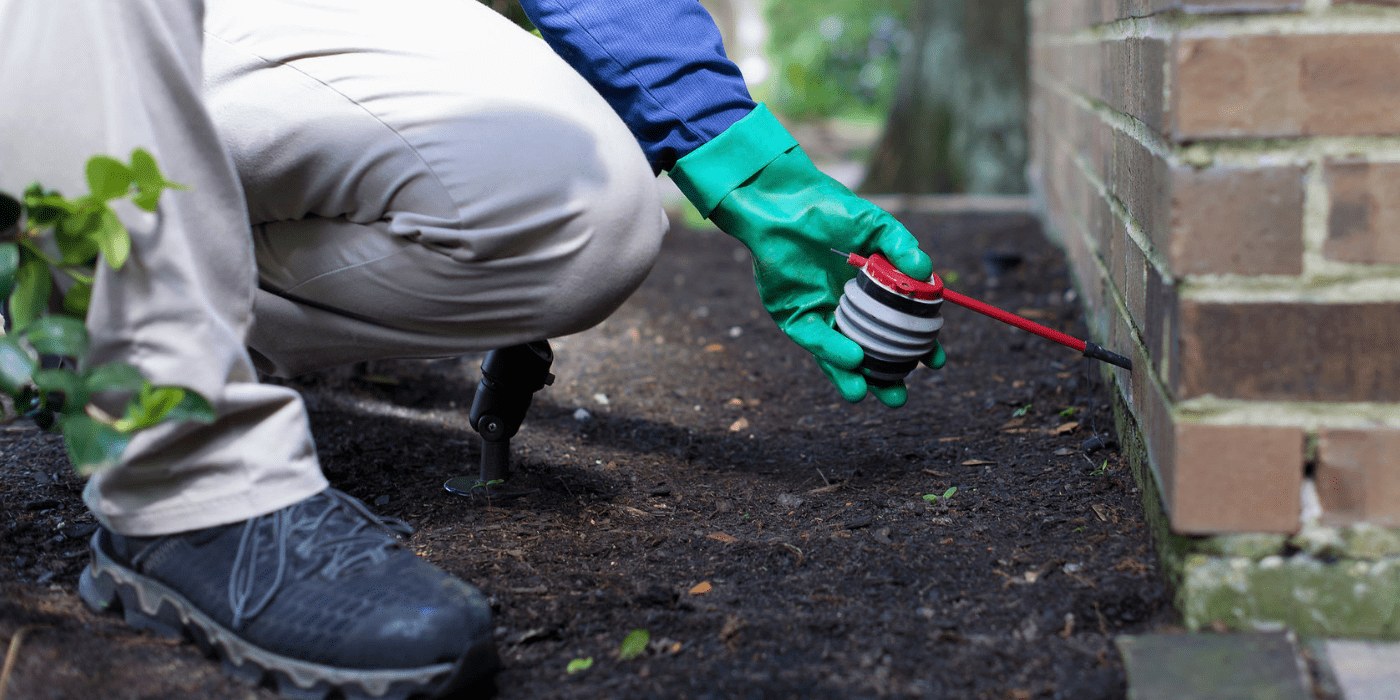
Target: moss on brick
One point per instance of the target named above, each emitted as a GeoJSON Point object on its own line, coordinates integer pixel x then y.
{"type": "Point", "coordinates": [1338, 582]}
{"type": "Point", "coordinates": [1311, 596]}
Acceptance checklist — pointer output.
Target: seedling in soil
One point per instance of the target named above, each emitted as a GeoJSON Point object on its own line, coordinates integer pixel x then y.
{"type": "Point", "coordinates": [579, 665]}
{"type": "Point", "coordinates": [487, 484]}
{"type": "Point", "coordinates": [931, 497]}
{"type": "Point", "coordinates": [1103, 469]}
{"type": "Point", "coordinates": [634, 645]}
{"type": "Point", "coordinates": [1067, 413]}
{"type": "Point", "coordinates": [1022, 411]}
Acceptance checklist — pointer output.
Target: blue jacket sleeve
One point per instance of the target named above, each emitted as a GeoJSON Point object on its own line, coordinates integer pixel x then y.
{"type": "Point", "coordinates": [659, 63]}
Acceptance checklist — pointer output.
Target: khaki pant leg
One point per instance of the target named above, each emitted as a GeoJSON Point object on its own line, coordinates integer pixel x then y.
{"type": "Point", "coordinates": [424, 178]}
{"type": "Point", "coordinates": [83, 77]}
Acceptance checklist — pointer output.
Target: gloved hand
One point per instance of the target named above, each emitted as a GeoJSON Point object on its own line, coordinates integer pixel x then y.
{"type": "Point", "coordinates": [755, 183]}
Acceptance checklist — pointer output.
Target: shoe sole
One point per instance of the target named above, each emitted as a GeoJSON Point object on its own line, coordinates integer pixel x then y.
{"type": "Point", "coordinates": [108, 587]}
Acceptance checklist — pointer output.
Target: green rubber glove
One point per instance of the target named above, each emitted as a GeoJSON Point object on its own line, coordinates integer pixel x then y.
{"type": "Point", "coordinates": [755, 183]}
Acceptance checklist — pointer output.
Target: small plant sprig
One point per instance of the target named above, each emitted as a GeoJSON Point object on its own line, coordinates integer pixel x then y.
{"type": "Point", "coordinates": [57, 394]}
{"type": "Point", "coordinates": [634, 645]}
{"type": "Point", "coordinates": [932, 497]}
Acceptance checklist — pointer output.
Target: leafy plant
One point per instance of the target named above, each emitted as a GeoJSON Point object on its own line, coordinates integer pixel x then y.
{"type": "Point", "coordinates": [50, 247]}
{"type": "Point", "coordinates": [634, 645]}
{"type": "Point", "coordinates": [1067, 413]}
{"type": "Point", "coordinates": [1103, 469]}
{"type": "Point", "coordinates": [946, 494]}
{"type": "Point", "coordinates": [1021, 412]}
{"type": "Point", "coordinates": [579, 665]}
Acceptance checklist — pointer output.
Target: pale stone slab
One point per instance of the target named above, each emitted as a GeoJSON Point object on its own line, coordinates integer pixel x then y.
{"type": "Point", "coordinates": [1212, 667]}
{"type": "Point", "coordinates": [1365, 670]}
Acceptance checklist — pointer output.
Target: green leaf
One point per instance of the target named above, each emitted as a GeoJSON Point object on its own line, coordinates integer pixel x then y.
{"type": "Point", "coordinates": [78, 247]}
{"type": "Point", "coordinates": [193, 407]}
{"type": "Point", "coordinates": [74, 389]}
{"type": "Point", "coordinates": [45, 206]}
{"type": "Point", "coordinates": [16, 365]}
{"type": "Point", "coordinates": [634, 645]}
{"type": "Point", "coordinates": [1021, 411]}
{"type": "Point", "coordinates": [9, 265]}
{"type": "Point", "coordinates": [579, 665]}
{"type": "Point", "coordinates": [58, 335]}
{"type": "Point", "coordinates": [150, 183]}
{"type": "Point", "coordinates": [81, 222]}
{"type": "Point", "coordinates": [107, 178]}
{"type": "Point", "coordinates": [114, 376]}
{"type": "Point", "coordinates": [92, 444]}
{"type": "Point", "coordinates": [30, 297]}
{"type": "Point", "coordinates": [78, 298]}
{"type": "Point", "coordinates": [113, 240]}
{"type": "Point", "coordinates": [10, 211]}
{"type": "Point", "coordinates": [144, 169]}
{"type": "Point", "coordinates": [949, 493]}
{"type": "Point", "coordinates": [148, 407]}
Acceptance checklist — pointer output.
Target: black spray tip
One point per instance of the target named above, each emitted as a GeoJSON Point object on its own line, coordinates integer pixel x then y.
{"type": "Point", "coordinates": [1112, 358]}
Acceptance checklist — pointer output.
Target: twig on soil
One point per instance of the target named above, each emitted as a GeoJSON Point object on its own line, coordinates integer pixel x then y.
{"type": "Point", "coordinates": [794, 550]}
{"type": "Point", "coordinates": [12, 655]}
{"type": "Point", "coordinates": [823, 476]}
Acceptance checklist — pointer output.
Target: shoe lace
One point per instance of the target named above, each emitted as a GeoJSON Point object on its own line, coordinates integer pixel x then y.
{"type": "Point", "coordinates": [356, 536]}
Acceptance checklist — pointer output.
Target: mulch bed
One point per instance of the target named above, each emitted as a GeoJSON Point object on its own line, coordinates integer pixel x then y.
{"type": "Point", "coordinates": [713, 490]}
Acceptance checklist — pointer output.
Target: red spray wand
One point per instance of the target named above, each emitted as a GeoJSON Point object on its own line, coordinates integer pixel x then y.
{"type": "Point", "coordinates": [879, 278]}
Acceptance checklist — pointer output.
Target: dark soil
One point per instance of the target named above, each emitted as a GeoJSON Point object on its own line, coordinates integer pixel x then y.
{"type": "Point", "coordinates": [713, 455]}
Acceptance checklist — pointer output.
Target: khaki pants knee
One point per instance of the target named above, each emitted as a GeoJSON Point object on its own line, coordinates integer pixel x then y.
{"type": "Point", "coordinates": [449, 186]}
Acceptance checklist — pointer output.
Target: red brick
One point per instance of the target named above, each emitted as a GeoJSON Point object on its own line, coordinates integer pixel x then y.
{"type": "Point", "coordinates": [1115, 254]}
{"type": "Point", "coordinates": [1286, 85]}
{"type": "Point", "coordinates": [1134, 77]}
{"type": "Point", "coordinates": [1289, 351]}
{"type": "Point", "coordinates": [1365, 214]}
{"type": "Point", "coordinates": [1358, 475]}
{"type": "Point", "coordinates": [1135, 280]}
{"type": "Point", "coordinates": [1238, 221]}
{"type": "Point", "coordinates": [1160, 323]}
{"type": "Point", "coordinates": [1140, 180]}
{"type": "Point", "coordinates": [1236, 478]}
{"type": "Point", "coordinates": [1159, 432]}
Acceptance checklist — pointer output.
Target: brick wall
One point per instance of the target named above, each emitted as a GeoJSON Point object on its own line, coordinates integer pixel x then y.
{"type": "Point", "coordinates": [1225, 175]}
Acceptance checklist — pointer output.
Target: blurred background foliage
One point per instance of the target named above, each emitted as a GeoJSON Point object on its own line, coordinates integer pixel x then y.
{"type": "Point", "coordinates": [943, 82]}
{"type": "Point", "coordinates": [835, 58]}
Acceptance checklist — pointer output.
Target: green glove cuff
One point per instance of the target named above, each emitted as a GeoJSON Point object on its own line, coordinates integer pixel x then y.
{"type": "Point", "coordinates": [709, 173]}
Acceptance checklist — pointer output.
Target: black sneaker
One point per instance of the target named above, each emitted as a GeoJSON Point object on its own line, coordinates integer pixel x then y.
{"type": "Point", "coordinates": [316, 598]}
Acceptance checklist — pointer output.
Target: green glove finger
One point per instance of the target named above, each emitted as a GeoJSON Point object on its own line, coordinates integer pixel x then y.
{"type": "Point", "coordinates": [851, 385]}
{"type": "Point", "coordinates": [937, 358]}
{"type": "Point", "coordinates": [812, 333]}
{"type": "Point", "coordinates": [896, 243]}
{"type": "Point", "coordinates": [892, 396]}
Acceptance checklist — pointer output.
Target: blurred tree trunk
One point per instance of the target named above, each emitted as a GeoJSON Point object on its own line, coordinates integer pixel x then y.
{"type": "Point", "coordinates": [958, 122]}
